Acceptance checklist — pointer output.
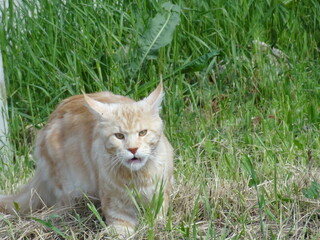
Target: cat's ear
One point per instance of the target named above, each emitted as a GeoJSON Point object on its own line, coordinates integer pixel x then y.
{"type": "Point", "coordinates": [155, 98]}
{"type": "Point", "coordinates": [97, 108]}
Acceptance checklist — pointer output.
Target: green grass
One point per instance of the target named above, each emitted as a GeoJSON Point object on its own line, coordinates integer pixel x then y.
{"type": "Point", "coordinates": [244, 126]}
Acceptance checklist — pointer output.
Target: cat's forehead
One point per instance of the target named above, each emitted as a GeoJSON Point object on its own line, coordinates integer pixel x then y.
{"type": "Point", "coordinates": [129, 111]}
{"type": "Point", "coordinates": [131, 117]}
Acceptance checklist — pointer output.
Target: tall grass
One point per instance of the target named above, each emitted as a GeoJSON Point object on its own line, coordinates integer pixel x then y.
{"type": "Point", "coordinates": [244, 123]}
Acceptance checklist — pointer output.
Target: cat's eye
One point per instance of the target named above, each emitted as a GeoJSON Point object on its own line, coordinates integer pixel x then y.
{"type": "Point", "coordinates": [119, 136]}
{"type": "Point", "coordinates": [143, 133]}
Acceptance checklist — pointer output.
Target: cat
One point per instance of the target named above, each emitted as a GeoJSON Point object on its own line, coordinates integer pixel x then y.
{"type": "Point", "coordinates": [102, 145]}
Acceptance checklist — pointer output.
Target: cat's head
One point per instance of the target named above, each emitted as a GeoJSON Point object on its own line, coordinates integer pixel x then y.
{"type": "Point", "coordinates": [130, 131]}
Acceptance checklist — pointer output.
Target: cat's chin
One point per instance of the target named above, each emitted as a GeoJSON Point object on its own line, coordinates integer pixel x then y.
{"type": "Point", "coordinates": [135, 164]}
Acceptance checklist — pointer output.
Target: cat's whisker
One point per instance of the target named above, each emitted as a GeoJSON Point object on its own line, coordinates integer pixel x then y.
{"type": "Point", "coordinates": [116, 163]}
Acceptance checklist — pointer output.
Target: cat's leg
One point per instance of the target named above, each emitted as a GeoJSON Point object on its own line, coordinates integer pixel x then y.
{"type": "Point", "coordinates": [119, 211]}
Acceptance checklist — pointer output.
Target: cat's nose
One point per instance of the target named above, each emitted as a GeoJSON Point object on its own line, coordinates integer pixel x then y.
{"type": "Point", "coordinates": [133, 150]}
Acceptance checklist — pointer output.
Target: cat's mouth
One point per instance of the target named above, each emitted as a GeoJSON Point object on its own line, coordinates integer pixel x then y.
{"type": "Point", "coordinates": [135, 163]}
{"type": "Point", "coordinates": [134, 160]}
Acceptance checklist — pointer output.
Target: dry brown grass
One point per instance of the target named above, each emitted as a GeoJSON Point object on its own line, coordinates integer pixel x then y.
{"type": "Point", "coordinates": [225, 208]}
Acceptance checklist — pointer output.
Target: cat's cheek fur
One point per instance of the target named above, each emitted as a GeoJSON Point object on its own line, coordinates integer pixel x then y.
{"type": "Point", "coordinates": [151, 144]}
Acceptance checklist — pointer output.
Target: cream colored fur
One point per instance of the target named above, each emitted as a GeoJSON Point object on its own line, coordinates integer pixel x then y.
{"type": "Point", "coordinates": [81, 150]}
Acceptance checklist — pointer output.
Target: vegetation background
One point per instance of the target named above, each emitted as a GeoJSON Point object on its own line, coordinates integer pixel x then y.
{"type": "Point", "coordinates": [242, 82]}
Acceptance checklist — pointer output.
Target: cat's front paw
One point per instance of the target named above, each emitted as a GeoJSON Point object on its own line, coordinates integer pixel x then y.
{"type": "Point", "coordinates": [123, 231]}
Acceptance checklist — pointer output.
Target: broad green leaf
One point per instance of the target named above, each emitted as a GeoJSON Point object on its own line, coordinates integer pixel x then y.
{"type": "Point", "coordinates": [158, 34]}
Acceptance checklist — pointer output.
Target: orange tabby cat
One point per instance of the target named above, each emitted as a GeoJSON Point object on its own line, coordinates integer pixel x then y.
{"type": "Point", "coordinates": [102, 145]}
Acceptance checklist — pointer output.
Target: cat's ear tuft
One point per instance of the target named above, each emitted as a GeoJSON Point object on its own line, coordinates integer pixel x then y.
{"type": "Point", "coordinates": [95, 107]}
{"type": "Point", "coordinates": [155, 98]}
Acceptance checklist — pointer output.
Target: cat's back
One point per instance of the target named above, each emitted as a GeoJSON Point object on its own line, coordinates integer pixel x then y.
{"type": "Point", "coordinates": [74, 106]}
